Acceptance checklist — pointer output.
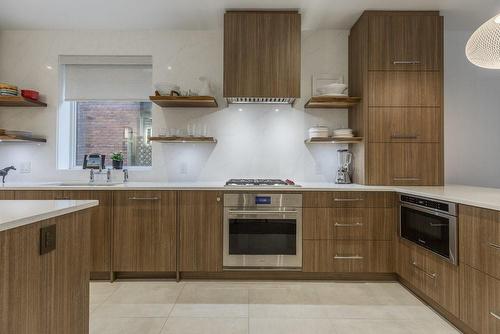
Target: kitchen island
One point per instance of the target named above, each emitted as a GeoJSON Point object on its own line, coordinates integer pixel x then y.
{"type": "Point", "coordinates": [44, 266]}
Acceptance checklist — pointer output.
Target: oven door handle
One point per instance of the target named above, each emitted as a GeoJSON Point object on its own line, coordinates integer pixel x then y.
{"type": "Point", "coordinates": [256, 212]}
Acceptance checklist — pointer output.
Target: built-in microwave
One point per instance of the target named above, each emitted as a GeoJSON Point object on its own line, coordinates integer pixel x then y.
{"type": "Point", "coordinates": [431, 224]}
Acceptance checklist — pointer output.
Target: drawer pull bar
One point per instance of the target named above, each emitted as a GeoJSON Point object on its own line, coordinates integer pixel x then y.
{"type": "Point", "coordinates": [494, 245]}
{"type": "Point", "coordinates": [143, 198]}
{"type": "Point", "coordinates": [407, 179]}
{"type": "Point", "coordinates": [402, 136]}
{"type": "Point", "coordinates": [348, 199]}
{"type": "Point", "coordinates": [406, 62]}
{"type": "Point", "coordinates": [433, 275]}
{"type": "Point", "coordinates": [438, 225]}
{"type": "Point", "coordinates": [353, 257]}
{"type": "Point", "coordinates": [62, 198]}
{"type": "Point", "coordinates": [348, 225]}
{"type": "Point", "coordinates": [495, 315]}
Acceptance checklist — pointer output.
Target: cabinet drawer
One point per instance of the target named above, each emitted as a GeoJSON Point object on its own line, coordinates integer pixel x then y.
{"type": "Point", "coordinates": [404, 164]}
{"type": "Point", "coordinates": [404, 89]}
{"type": "Point", "coordinates": [348, 199]}
{"type": "Point", "coordinates": [347, 256]}
{"type": "Point", "coordinates": [435, 277]}
{"type": "Point", "coordinates": [405, 42]}
{"type": "Point", "coordinates": [348, 223]}
{"type": "Point", "coordinates": [480, 239]}
{"type": "Point", "coordinates": [405, 125]}
{"type": "Point", "coordinates": [479, 300]}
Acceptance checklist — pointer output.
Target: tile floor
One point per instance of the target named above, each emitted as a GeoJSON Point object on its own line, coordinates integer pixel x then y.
{"type": "Point", "coordinates": [220, 307]}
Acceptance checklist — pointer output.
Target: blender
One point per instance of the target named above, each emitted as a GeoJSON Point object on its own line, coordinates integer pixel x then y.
{"type": "Point", "coordinates": [344, 172]}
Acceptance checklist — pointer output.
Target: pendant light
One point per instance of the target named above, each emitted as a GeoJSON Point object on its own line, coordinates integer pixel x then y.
{"type": "Point", "coordinates": [483, 47]}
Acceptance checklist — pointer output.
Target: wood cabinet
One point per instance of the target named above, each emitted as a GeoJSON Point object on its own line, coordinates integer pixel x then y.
{"type": "Point", "coordinates": [262, 54]}
{"type": "Point", "coordinates": [101, 220]}
{"type": "Point", "coordinates": [46, 294]}
{"type": "Point", "coordinates": [200, 231]}
{"type": "Point", "coordinates": [396, 67]}
{"type": "Point", "coordinates": [480, 239]}
{"type": "Point", "coordinates": [411, 41]}
{"type": "Point", "coordinates": [7, 195]}
{"type": "Point", "coordinates": [433, 276]}
{"type": "Point", "coordinates": [405, 163]}
{"type": "Point", "coordinates": [479, 300]}
{"type": "Point", "coordinates": [414, 125]}
{"type": "Point", "coordinates": [144, 231]}
{"type": "Point", "coordinates": [348, 199]}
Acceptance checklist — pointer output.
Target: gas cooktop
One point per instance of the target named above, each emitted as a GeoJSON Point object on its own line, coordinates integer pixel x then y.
{"type": "Point", "coordinates": [260, 182]}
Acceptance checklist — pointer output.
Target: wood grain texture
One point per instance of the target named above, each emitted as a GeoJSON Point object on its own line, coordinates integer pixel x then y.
{"type": "Point", "coordinates": [422, 125]}
{"type": "Point", "coordinates": [7, 195]}
{"type": "Point", "coordinates": [480, 239]}
{"type": "Point", "coordinates": [40, 195]}
{"type": "Point", "coordinates": [334, 256]}
{"type": "Point", "coordinates": [144, 231]}
{"type": "Point", "coordinates": [397, 39]}
{"type": "Point", "coordinates": [262, 54]}
{"type": "Point", "coordinates": [404, 89]}
{"type": "Point", "coordinates": [348, 199]}
{"type": "Point", "coordinates": [348, 223]}
{"type": "Point", "coordinates": [405, 164]}
{"type": "Point", "coordinates": [200, 231]}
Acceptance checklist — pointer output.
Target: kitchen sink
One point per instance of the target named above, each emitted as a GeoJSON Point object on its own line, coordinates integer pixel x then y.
{"type": "Point", "coordinates": [85, 184]}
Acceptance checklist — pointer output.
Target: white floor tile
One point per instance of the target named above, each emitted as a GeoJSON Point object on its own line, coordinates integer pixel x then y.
{"type": "Point", "coordinates": [206, 326]}
{"type": "Point", "coordinates": [126, 325]}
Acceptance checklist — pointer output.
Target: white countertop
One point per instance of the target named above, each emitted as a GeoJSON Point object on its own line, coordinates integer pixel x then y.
{"type": "Point", "coordinates": [19, 213]}
{"type": "Point", "coordinates": [483, 197]}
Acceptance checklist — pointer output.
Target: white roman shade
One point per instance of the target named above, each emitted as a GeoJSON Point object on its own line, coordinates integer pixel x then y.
{"type": "Point", "coordinates": [107, 77]}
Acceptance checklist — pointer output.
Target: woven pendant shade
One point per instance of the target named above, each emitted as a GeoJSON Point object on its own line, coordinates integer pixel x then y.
{"type": "Point", "coordinates": [483, 47]}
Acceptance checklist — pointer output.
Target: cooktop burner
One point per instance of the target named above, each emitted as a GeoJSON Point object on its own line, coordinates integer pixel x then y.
{"type": "Point", "coordinates": [259, 182]}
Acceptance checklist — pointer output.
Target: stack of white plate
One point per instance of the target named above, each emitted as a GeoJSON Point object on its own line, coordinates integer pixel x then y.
{"type": "Point", "coordinates": [343, 133]}
{"type": "Point", "coordinates": [318, 132]}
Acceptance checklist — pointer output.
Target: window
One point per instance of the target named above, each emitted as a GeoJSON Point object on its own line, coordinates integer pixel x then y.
{"type": "Point", "coordinates": [105, 109]}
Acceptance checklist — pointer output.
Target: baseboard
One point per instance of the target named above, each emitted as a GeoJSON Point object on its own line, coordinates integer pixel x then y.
{"type": "Point", "coordinates": [289, 275]}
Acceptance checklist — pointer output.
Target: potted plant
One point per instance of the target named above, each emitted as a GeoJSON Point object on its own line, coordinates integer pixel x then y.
{"type": "Point", "coordinates": [117, 159]}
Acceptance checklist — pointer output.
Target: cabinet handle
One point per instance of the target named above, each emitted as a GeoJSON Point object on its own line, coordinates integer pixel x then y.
{"type": "Point", "coordinates": [348, 225]}
{"type": "Point", "coordinates": [433, 275]}
{"type": "Point", "coordinates": [143, 198]}
{"type": "Point", "coordinates": [348, 199]}
{"type": "Point", "coordinates": [494, 245]}
{"type": "Point", "coordinates": [352, 257]}
{"type": "Point", "coordinates": [62, 198]}
{"type": "Point", "coordinates": [495, 315]}
{"type": "Point", "coordinates": [406, 62]}
{"type": "Point", "coordinates": [403, 136]}
{"type": "Point", "coordinates": [218, 199]}
{"type": "Point", "coordinates": [407, 179]}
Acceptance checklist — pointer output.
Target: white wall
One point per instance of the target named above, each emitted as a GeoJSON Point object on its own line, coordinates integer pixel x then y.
{"type": "Point", "coordinates": [255, 142]}
{"type": "Point", "coordinates": [472, 117]}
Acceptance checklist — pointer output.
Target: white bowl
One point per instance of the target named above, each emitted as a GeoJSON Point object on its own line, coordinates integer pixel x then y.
{"type": "Point", "coordinates": [165, 88]}
{"type": "Point", "coordinates": [333, 88]}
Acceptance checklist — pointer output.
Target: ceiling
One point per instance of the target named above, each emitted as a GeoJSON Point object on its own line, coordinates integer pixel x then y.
{"type": "Point", "coordinates": [207, 14]}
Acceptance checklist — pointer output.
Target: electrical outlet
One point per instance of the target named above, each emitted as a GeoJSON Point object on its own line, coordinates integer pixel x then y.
{"type": "Point", "coordinates": [183, 168]}
{"type": "Point", "coordinates": [25, 167]}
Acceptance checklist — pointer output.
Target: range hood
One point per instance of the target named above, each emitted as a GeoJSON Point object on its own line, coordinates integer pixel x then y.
{"type": "Point", "coordinates": [261, 56]}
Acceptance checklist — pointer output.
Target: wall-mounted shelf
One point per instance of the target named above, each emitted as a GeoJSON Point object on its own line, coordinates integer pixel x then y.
{"type": "Point", "coordinates": [332, 102]}
{"type": "Point", "coordinates": [332, 140]}
{"type": "Point", "coordinates": [186, 139]}
{"type": "Point", "coordinates": [21, 139]}
{"type": "Point", "coordinates": [20, 101]}
{"type": "Point", "coordinates": [184, 101]}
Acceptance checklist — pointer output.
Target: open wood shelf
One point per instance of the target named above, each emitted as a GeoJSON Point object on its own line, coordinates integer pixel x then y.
{"type": "Point", "coordinates": [21, 139]}
{"type": "Point", "coordinates": [186, 139]}
{"type": "Point", "coordinates": [332, 140]}
{"type": "Point", "coordinates": [184, 101]}
{"type": "Point", "coordinates": [20, 101]}
{"type": "Point", "coordinates": [332, 102]}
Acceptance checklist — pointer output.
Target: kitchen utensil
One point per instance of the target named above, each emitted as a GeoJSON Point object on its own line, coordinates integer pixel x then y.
{"type": "Point", "coordinates": [344, 170]}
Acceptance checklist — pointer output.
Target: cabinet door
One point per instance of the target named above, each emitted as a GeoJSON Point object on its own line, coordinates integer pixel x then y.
{"type": "Point", "coordinates": [7, 195]}
{"type": "Point", "coordinates": [404, 164]}
{"type": "Point", "coordinates": [40, 195]}
{"type": "Point", "coordinates": [144, 231]}
{"type": "Point", "coordinates": [405, 125]}
{"type": "Point", "coordinates": [348, 199]}
{"type": "Point", "coordinates": [200, 224]}
{"type": "Point", "coordinates": [405, 42]}
{"type": "Point", "coordinates": [262, 54]}
{"type": "Point", "coordinates": [404, 89]}
{"type": "Point", "coordinates": [480, 239]}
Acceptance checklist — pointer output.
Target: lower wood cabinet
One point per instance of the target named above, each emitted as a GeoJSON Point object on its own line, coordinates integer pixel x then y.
{"type": "Point", "coordinates": [7, 195]}
{"type": "Point", "coordinates": [200, 234]}
{"type": "Point", "coordinates": [347, 256]}
{"type": "Point", "coordinates": [144, 231]}
{"type": "Point", "coordinates": [479, 300]}
{"type": "Point", "coordinates": [348, 199]}
{"type": "Point", "coordinates": [433, 276]}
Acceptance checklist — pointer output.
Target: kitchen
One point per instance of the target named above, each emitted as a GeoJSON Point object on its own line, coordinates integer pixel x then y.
{"type": "Point", "coordinates": [226, 215]}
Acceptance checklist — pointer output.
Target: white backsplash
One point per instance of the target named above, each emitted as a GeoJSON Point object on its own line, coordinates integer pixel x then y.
{"type": "Point", "coordinates": [257, 141]}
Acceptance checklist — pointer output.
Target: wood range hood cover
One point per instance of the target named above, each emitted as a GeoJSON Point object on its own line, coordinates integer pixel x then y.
{"type": "Point", "coordinates": [262, 56]}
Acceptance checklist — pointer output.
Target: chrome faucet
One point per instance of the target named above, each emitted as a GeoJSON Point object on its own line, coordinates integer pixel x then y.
{"type": "Point", "coordinates": [108, 175]}
{"type": "Point", "coordinates": [125, 175]}
{"type": "Point", "coordinates": [92, 176]}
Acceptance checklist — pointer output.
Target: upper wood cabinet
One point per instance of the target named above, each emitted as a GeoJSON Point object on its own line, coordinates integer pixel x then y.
{"type": "Point", "coordinates": [411, 41]}
{"type": "Point", "coordinates": [262, 54]}
{"type": "Point", "coordinates": [144, 231]}
{"type": "Point", "coordinates": [200, 231]}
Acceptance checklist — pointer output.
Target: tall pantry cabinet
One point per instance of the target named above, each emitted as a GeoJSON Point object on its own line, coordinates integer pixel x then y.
{"type": "Point", "coordinates": [396, 66]}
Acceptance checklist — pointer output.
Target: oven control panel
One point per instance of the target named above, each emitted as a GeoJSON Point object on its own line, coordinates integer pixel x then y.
{"type": "Point", "coordinates": [446, 207]}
